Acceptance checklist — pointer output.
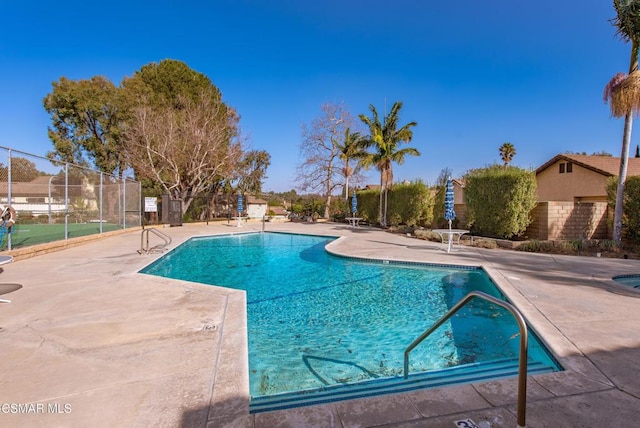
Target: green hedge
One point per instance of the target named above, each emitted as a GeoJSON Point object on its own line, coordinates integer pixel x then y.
{"type": "Point", "coordinates": [499, 200]}
{"type": "Point", "coordinates": [409, 204]}
{"type": "Point", "coordinates": [630, 207]}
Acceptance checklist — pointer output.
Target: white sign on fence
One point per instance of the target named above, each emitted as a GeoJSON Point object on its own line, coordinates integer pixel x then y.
{"type": "Point", "coordinates": [151, 205]}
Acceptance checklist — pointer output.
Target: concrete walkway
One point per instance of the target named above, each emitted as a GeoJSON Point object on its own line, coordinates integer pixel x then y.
{"type": "Point", "coordinates": [89, 342]}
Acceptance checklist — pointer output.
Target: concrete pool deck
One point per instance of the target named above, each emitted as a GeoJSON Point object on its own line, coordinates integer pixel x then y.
{"type": "Point", "coordinates": [88, 341]}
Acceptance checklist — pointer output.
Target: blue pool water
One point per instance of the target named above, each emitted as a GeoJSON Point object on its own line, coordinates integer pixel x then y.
{"type": "Point", "coordinates": [316, 320]}
{"type": "Point", "coordinates": [632, 281]}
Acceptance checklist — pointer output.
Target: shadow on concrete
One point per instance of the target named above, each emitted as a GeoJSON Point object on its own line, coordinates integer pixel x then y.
{"type": "Point", "coordinates": [608, 394]}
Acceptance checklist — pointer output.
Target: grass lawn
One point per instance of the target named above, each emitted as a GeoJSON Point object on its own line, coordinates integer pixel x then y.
{"type": "Point", "coordinates": [23, 235]}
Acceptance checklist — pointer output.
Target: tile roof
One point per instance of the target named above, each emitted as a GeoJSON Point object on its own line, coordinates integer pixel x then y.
{"type": "Point", "coordinates": [605, 165]}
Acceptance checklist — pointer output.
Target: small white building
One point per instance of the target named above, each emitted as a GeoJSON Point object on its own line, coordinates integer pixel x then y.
{"type": "Point", "coordinates": [256, 208]}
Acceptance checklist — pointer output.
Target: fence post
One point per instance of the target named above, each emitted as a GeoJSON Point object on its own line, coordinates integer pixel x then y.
{"type": "Point", "coordinates": [49, 200]}
{"type": "Point", "coordinates": [101, 206]}
{"type": "Point", "coordinates": [141, 208]}
{"type": "Point", "coordinates": [9, 193]}
{"type": "Point", "coordinates": [124, 203]}
{"type": "Point", "coordinates": [66, 201]}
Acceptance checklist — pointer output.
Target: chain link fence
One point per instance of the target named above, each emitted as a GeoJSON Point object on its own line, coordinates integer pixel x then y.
{"type": "Point", "coordinates": [51, 200]}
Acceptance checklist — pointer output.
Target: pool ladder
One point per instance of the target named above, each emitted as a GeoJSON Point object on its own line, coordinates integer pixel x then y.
{"type": "Point", "coordinates": [522, 363]}
{"type": "Point", "coordinates": [144, 241]}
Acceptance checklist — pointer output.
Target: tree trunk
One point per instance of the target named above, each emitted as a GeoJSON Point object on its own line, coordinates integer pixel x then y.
{"type": "Point", "coordinates": [622, 179]}
{"type": "Point", "coordinates": [346, 184]}
{"type": "Point", "coordinates": [346, 180]}
{"type": "Point", "coordinates": [624, 156]}
{"type": "Point", "coordinates": [386, 204]}
{"type": "Point", "coordinates": [327, 206]}
{"type": "Point", "coordinates": [380, 213]}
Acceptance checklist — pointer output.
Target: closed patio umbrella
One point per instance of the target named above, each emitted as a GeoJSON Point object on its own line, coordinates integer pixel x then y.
{"type": "Point", "coordinates": [239, 208]}
{"type": "Point", "coordinates": [354, 203]}
{"type": "Point", "coordinates": [449, 213]}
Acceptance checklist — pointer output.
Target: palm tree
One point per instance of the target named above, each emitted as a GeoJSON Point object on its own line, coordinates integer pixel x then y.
{"type": "Point", "coordinates": [623, 94]}
{"type": "Point", "coordinates": [385, 139]}
{"type": "Point", "coordinates": [507, 152]}
{"type": "Point", "coordinates": [353, 148]}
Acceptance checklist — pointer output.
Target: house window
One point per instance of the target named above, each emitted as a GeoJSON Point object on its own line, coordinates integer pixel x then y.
{"type": "Point", "coordinates": [566, 167]}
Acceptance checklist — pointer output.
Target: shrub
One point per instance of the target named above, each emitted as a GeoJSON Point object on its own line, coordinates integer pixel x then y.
{"type": "Point", "coordinates": [577, 245]}
{"type": "Point", "coordinates": [631, 205]}
{"type": "Point", "coordinates": [535, 246]}
{"type": "Point", "coordinates": [485, 243]}
{"type": "Point", "coordinates": [340, 208]}
{"type": "Point", "coordinates": [607, 244]}
{"type": "Point", "coordinates": [408, 204]}
{"type": "Point", "coordinates": [427, 235]}
{"type": "Point", "coordinates": [499, 200]}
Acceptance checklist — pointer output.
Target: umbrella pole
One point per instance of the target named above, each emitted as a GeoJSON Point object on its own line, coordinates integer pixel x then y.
{"type": "Point", "coordinates": [450, 236]}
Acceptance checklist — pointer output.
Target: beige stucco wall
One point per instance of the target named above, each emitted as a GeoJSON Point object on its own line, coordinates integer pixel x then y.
{"type": "Point", "coordinates": [256, 210]}
{"type": "Point", "coordinates": [581, 184]}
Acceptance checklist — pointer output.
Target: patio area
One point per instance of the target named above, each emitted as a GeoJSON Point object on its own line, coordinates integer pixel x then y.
{"type": "Point", "coordinates": [88, 341]}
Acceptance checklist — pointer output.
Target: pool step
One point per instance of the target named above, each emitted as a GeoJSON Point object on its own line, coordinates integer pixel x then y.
{"type": "Point", "coordinates": [449, 376]}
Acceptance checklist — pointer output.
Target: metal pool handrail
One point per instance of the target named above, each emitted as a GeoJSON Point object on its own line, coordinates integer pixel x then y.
{"type": "Point", "coordinates": [522, 363]}
{"type": "Point", "coordinates": [145, 249]}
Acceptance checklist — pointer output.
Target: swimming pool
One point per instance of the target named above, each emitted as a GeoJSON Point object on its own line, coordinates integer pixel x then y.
{"type": "Point", "coordinates": [316, 320]}
{"type": "Point", "coordinates": [632, 281]}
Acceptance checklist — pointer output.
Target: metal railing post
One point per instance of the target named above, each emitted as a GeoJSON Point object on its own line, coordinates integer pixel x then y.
{"type": "Point", "coordinates": [124, 203]}
{"type": "Point", "coordinates": [100, 196]}
{"type": "Point", "coordinates": [140, 208]}
{"type": "Point", "coordinates": [50, 213]}
{"type": "Point", "coordinates": [522, 361]}
{"type": "Point", "coordinates": [66, 201]}
{"type": "Point", "coordinates": [9, 243]}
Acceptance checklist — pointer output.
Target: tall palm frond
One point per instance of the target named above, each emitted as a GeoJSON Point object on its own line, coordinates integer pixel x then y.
{"type": "Point", "coordinates": [352, 148]}
{"type": "Point", "coordinates": [385, 138]}
{"type": "Point", "coordinates": [507, 152]}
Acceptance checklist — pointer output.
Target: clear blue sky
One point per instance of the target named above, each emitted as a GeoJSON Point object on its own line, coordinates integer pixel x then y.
{"type": "Point", "coordinates": [473, 74]}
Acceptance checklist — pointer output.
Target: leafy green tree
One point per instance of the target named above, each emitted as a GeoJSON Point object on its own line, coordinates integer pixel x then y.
{"type": "Point", "coordinates": [167, 122]}
{"type": "Point", "coordinates": [86, 123]}
{"type": "Point", "coordinates": [499, 200]}
{"type": "Point", "coordinates": [630, 218]}
{"type": "Point", "coordinates": [623, 94]}
{"type": "Point", "coordinates": [385, 138]}
{"type": "Point", "coordinates": [507, 152]}
{"type": "Point", "coordinates": [252, 170]}
{"type": "Point", "coordinates": [169, 83]}
{"type": "Point", "coordinates": [21, 170]}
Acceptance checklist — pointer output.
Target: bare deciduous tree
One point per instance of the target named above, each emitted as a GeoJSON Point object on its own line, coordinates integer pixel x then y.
{"type": "Point", "coordinates": [321, 169]}
{"type": "Point", "coordinates": [185, 150]}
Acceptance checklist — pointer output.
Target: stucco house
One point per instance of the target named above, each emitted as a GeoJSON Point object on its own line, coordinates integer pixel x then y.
{"type": "Point", "coordinates": [572, 196]}
{"type": "Point", "coordinates": [38, 196]}
{"type": "Point", "coordinates": [579, 178]}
